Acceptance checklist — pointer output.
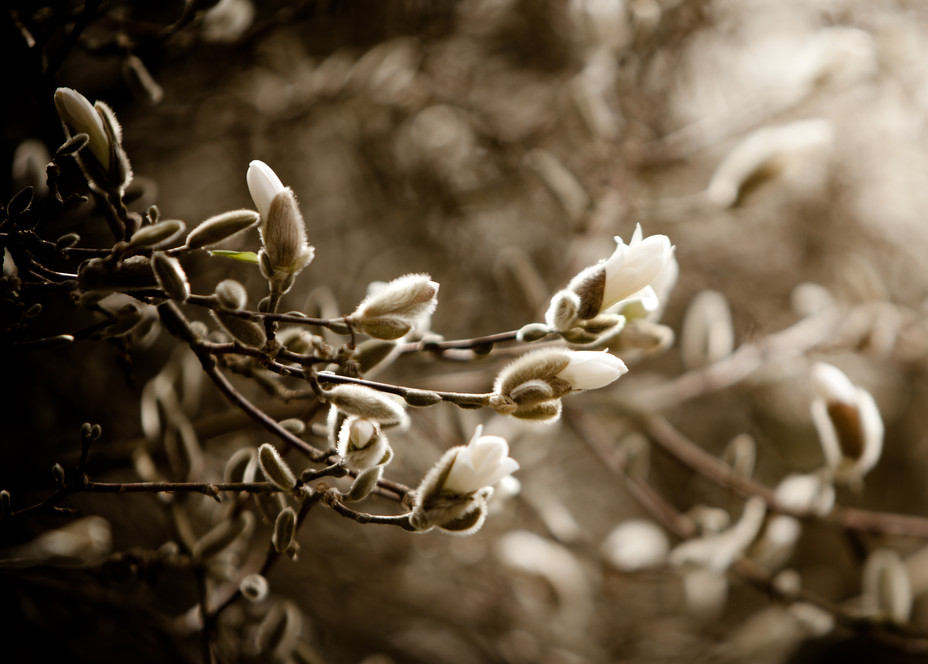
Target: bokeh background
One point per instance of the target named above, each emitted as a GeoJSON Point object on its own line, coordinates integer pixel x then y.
{"type": "Point", "coordinates": [498, 145]}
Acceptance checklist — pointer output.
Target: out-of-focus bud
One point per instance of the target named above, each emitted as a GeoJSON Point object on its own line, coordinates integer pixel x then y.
{"type": "Point", "coordinates": [29, 162]}
{"type": "Point", "coordinates": [246, 331]}
{"type": "Point", "coordinates": [231, 295]}
{"type": "Point", "coordinates": [237, 464]}
{"type": "Point", "coordinates": [848, 423]}
{"type": "Point", "coordinates": [227, 20]}
{"type": "Point", "coordinates": [283, 232]}
{"type": "Point", "coordinates": [254, 588]}
{"type": "Point", "coordinates": [775, 547]}
{"type": "Point", "coordinates": [740, 455]}
{"type": "Point", "coordinates": [718, 551]}
{"type": "Point", "coordinates": [104, 163]}
{"type": "Point", "coordinates": [275, 468]}
{"type": "Point", "coordinates": [453, 494]}
{"type": "Point", "coordinates": [158, 235]}
{"type": "Point", "coordinates": [279, 631]}
{"type": "Point", "coordinates": [223, 535]}
{"type": "Point", "coordinates": [636, 545]}
{"type": "Point", "coordinates": [222, 227]}
{"type": "Point", "coordinates": [141, 81]}
{"type": "Point", "coordinates": [284, 530]}
{"type": "Point", "coordinates": [708, 335]}
{"type": "Point", "coordinates": [361, 444]}
{"type": "Point", "coordinates": [86, 541]}
{"type": "Point", "coordinates": [887, 589]}
{"type": "Point", "coordinates": [812, 493]}
{"type": "Point", "coordinates": [763, 153]}
{"type": "Point", "coordinates": [393, 310]}
{"type": "Point", "coordinates": [561, 182]}
{"type": "Point", "coordinates": [171, 276]}
{"type": "Point", "coordinates": [367, 403]}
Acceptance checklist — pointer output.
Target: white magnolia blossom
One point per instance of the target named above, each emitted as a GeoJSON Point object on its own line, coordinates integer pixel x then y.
{"type": "Point", "coordinates": [483, 462]}
{"type": "Point", "coordinates": [848, 423]}
{"type": "Point", "coordinates": [629, 274]}
{"type": "Point", "coordinates": [592, 369]}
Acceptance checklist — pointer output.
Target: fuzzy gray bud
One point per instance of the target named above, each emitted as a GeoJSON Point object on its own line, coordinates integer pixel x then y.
{"type": "Point", "coordinates": [231, 295]}
{"type": "Point", "coordinates": [275, 468]}
{"type": "Point", "coordinates": [222, 227]}
{"type": "Point", "coordinates": [392, 311]}
{"type": "Point", "coordinates": [171, 276]}
{"type": "Point", "coordinates": [158, 235]}
{"type": "Point", "coordinates": [367, 403]}
{"type": "Point", "coordinates": [245, 331]}
{"type": "Point", "coordinates": [284, 530]}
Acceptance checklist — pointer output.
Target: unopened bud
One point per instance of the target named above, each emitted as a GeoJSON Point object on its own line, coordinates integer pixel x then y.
{"type": "Point", "coordinates": [21, 201]}
{"type": "Point", "coordinates": [279, 631]}
{"type": "Point", "coordinates": [171, 276]}
{"type": "Point", "coordinates": [422, 398]}
{"type": "Point", "coordinates": [364, 483]}
{"type": "Point", "coordinates": [275, 468]}
{"type": "Point", "coordinates": [636, 545]}
{"type": "Point", "coordinates": [236, 465]}
{"type": "Point", "coordinates": [533, 332]}
{"type": "Point", "coordinates": [246, 331]}
{"type": "Point", "coordinates": [886, 585]}
{"type": "Point", "coordinates": [158, 235]}
{"type": "Point", "coordinates": [372, 352]}
{"type": "Point", "coordinates": [6, 507]}
{"type": "Point", "coordinates": [254, 588]}
{"type": "Point", "coordinates": [392, 311]}
{"type": "Point", "coordinates": [284, 530]}
{"type": "Point", "coordinates": [231, 295]}
{"type": "Point", "coordinates": [222, 227]}
{"type": "Point", "coordinates": [563, 311]}
{"type": "Point", "coordinates": [293, 425]}
{"type": "Point", "coordinates": [58, 472]}
{"type": "Point", "coordinates": [67, 241]}
{"type": "Point", "coordinates": [367, 403]}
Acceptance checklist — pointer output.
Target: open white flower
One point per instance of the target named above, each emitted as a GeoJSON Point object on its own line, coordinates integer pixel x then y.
{"type": "Point", "coordinates": [848, 423]}
{"type": "Point", "coordinates": [453, 494]}
{"type": "Point", "coordinates": [484, 462]}
{"type": "Point", "coordinates": [633, 273]}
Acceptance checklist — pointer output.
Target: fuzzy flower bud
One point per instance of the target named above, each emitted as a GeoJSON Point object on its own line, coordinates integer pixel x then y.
{"type": "Point", "coordinates": [275, 468]}
{"type": "Point", "coordinates": [171, 276]}
{"type": "Point", "coordinates": [393, 310]}
{"type": "Point", "coordinates": [848, 423]}
{"type": "Point", "coordinates": [361, 444]}
{"type": "Point", "coordinates": [104, 162]}
{"type": "Point", "coordinates": [366, 402]}
{"type": "Point", "coordinates": [221, 227]}
{"type": "Point", "coordinates": [283, 231]}
{"type": "Point", "coordinates": [627, 274]}
{"type": "Point", "coordinates": [535, 382]}
{"type": "Point", "coordinates": [453, 494]}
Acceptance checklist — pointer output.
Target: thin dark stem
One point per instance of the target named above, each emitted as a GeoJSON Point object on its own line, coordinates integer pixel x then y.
{"type": "Point", "coordinates": [332, 500]}
{"type": "Point", "coordinates": [484, 343]}
{"type": "Point", "coordinates": [464, 399]}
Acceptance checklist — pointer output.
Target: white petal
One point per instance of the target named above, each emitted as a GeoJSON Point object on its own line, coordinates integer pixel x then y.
{"type": "Point", "coordinates": [263, 185]}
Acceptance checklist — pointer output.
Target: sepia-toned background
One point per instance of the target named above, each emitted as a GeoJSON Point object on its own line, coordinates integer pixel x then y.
{"type": "Point", "coordinates": [499, 145]}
